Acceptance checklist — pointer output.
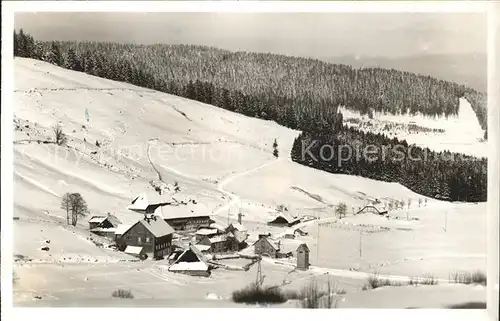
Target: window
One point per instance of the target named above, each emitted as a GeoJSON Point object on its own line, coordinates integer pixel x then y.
{"type": "Point", "coordinates": [147, 239]}
{"type": "Point", "coordinates": [139, 239]}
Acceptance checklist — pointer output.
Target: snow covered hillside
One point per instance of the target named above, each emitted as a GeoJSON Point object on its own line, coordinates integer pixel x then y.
{"type": "Point", "coordinates": [460, 134]}
{"type": "Point", "coordinates": [135, 137]}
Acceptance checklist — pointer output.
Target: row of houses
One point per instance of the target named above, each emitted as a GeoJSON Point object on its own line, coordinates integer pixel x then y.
{"type": "Point", "coordinates": [218, 240]}
{"type": "Point", "coordinates": [283, 248]}
{"type": "Point", "coordinates": [163, 216]}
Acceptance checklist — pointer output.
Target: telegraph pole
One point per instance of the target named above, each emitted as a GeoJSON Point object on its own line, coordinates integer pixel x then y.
{"type": "Point", "coordinates": [317, 248]}
{"type": "Point", "coordinates": [445, 221]}
{"type": "Point", "coordinates": [360, 243]}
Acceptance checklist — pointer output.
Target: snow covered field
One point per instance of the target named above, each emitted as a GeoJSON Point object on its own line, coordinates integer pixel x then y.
{"type": "Point", "coordinates": [224, 161]}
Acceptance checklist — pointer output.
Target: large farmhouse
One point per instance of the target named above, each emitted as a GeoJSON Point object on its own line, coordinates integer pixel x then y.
{"type": "Point", "coordinates": [151, 233]}
{"type": "Point", "coordinates": [181, 215]}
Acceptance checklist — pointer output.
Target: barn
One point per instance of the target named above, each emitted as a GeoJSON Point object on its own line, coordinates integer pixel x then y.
{"type": "Point", "coordinates": [151, 233]}
{"type": "Point", "coordinates": [284, 219]}
{"type": "Point", "coordinates": [148, 202]}
{"type": "Point", "coordinates": [104, 225]}
{"type": "Point", "coordinates": [107, 221]}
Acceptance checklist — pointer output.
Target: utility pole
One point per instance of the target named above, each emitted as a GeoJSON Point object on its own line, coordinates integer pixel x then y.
{"type": "Point", "coordinates": [360, 243]}
{"type": "Point", "coordinates": [445, 221]}
{"type": "Point", "coordinates": [317, 248]}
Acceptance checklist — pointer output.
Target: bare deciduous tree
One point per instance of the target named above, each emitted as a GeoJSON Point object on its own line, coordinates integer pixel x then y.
{"type": "Point", "coordinates": [59, 136]}
{"type": "Point", "coordinates": [75, 204]}
{"type": "Point", "coordinates": [341, 210]}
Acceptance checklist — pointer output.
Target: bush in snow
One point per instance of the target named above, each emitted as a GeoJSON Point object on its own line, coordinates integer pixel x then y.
{"type": "Point", "coordinates": [254, 294]}
{"type": "Point", "coordinates": [59, 136]}
{"type": "Point", "coordinates": [122, 294]}
{"type": "Point", "coordinates": [312, 297]}
{"type": "Point", "coordinates": [464, 277]}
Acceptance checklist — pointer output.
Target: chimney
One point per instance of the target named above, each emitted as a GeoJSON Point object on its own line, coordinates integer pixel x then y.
{"type": "Point", "coordinates": [239, 217]}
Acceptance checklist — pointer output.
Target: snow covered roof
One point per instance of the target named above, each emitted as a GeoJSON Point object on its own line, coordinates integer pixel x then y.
{"type": "Point", "coordinates": [217, 226]}
{"type": "Point", "coordinates": [143, 200]}
{"type": "Point", "coordinates": [218, 238]}
{"type": "Point", "coordinates": [289, 246]}
{"type": "Point", "coordinates": [182, 211]}
{"type": "Point", "coordinates": [200, 265]}
{"type": "Point", "coordinates": [103, 229]}
{"type": "Point", "coordinates": [273, 243]}
{"type": "Point", "coordinates": [97, 219]}
{"type": "Point", "coordinates": [188, 266]}
{"type": "Point", "coordinates": [133, 249]}
{"type": "Point", "coordinates": [239, 227]}
{"type": "Point", "coordinates": [207, 231]}
{"type": "Point", "coordinates": [157, 227]}
{"type": "Point", "coordinates": [287, 216]}
{"type": "Point", "coordinates": [202, 247]}
{"type": "Point", "coordinates": [122, 228]}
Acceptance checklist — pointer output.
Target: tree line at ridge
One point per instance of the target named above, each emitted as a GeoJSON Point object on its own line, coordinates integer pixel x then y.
{"type": "Point", "coordinates": [298, 93]}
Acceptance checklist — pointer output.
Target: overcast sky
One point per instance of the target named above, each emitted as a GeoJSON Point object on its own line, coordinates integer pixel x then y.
{"type": "Point", "coordinates": [301, 34]}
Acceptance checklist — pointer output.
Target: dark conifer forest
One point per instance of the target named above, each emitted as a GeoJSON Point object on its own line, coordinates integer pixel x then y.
{"type": "Point", "coordinates": [298, 93]}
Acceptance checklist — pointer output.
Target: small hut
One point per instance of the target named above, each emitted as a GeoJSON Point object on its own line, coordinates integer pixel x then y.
{"type": "Point", "coordinates": [303, 257]}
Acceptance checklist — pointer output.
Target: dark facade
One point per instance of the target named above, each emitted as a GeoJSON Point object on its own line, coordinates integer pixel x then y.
{"type": "Point", "coordinates": [104, 224]}
{"type": "Point", "coordinates": [189, 223]}
{"type": "Point", "coordinates": [264, 247]}
{"type": "Point", "coordinates": [280, 221]}
{"type": "Point", "coordinates": [139, 235]}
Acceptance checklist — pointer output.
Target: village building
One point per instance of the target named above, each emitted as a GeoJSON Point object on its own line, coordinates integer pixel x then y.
{"type": "Point", "coordinates": [265, 246]}
{"type": "Point", "coordinates": [240, 233]}
{"type": "Point", "coordinates": [373, 209]}
{"type": "Point", "coordinates": [201, 233]}
{"type": "Point", "coordinates": [293, 233]}
{"type": "Point", "coordinates": [148, 202]}
{"type": "Point", "coordinates": [281, 248]}
{"type": "Point", "coordinates": [120, 230]}
{"type": "Point", "coordinates": [220, 243]}
{"type": "Point", "coordinates": [137, 251]}
{"type": "Point", "coordinates": [284, 219]}
{"type": "Point", "coordinates": [104, 225]}
{"type": "Point", "coordinates": [190, 261]}
{"type": "Point", "coordinates": [288, 247]}
{"type": "Point", "coordinates": [151, 233]}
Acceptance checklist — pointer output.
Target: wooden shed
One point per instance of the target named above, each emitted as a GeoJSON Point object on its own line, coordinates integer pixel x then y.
{"type": "Point", "coordinates": [303, 257]}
